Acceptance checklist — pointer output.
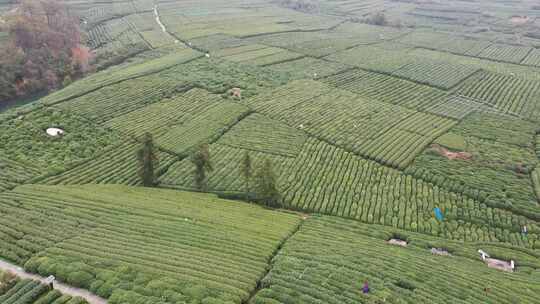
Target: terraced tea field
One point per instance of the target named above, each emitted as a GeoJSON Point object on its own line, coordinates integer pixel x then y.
{"type": "Point", "coordinates": [14, 290]}
{"type": "Point", "coordinates": [353, 123]}
{"type": "Point", "coordinates": [329, 259]}
{"type": "Point", "coordinates": [193, 246]}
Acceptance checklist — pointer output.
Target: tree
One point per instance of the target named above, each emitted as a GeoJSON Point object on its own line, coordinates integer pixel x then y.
{"type": "Point", "coordinates": [201, 160]}
{"type": "Point", "coordinates": [247, 172]}
{"type": "Point", "coordinates": [42, 48]}
{"type": "Point", "coordinates": [147, 161]}
{"type": "Point", "coordinates": [266, 185]}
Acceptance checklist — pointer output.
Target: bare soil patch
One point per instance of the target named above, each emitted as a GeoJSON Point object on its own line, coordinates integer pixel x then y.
{"type": "Point", "coordinates": [449, 154]}
{"type": "Point", "coordinates": [519, 20]}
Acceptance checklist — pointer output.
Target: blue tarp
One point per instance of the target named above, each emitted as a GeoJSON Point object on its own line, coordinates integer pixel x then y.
{"type": "Point", "coordinates": [438, 214]}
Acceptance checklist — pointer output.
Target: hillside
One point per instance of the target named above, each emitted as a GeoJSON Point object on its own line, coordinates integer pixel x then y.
{"type": "Point", "coordinates": [330, 128]}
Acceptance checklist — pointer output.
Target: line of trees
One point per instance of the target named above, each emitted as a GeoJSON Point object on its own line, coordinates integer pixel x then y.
{"type": "Point", "coordinates": [260, 183]}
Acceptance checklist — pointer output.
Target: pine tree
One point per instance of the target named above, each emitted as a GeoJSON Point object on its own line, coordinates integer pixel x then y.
{"type": "Point", "coordinates": [266, 185]}
{"type": "Point", "coordinates": [247, 172]}
{"type": "Point", "coordinates": [147, 159]}
{"type": "Point", "coordinates": [201, 160]}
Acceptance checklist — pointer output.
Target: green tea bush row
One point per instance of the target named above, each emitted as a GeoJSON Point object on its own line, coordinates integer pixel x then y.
{"type": "Point", "coordinates": [149, 243]}
{"type": "Point", "coordinates": [118, 165]}
{"type": "Point", "coordinates": [227, 176]}
{"type": "Point", "coordinates": [329, 180]}
{"type": "Point", "coordinates": [158, 117]}
{"type": "Point", "coordinates": [386, 88]}
{"type": "Point", "coordinates": [329, 259]}
{"type": "Point", "coordinates": [509, 94]}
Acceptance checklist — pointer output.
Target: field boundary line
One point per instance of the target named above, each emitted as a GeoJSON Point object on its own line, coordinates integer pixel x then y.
{"type": "Point", "coordinates": [271, 261]}
{"type": "Point", "coordinates": [295, 31]}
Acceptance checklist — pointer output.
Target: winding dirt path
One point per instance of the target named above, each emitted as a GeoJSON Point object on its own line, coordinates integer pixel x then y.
{"type": "Point", "coordinates": [162, 26]}
{"type": "Point", "coordinates": [63, 288]}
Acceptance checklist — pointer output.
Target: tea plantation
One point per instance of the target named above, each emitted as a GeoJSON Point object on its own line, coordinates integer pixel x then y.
{"type": "Point", "coordinates": [14, 290]}
{"type": "Point", "coordinates": [274, 152]}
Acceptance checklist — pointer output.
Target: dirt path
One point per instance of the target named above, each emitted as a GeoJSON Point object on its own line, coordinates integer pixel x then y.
{"type": "Point", "coordinates": [65, 289]}
{"type": "Point", "coordinates": [158, 20]}
{"type": "Point", "coordinates": [163, 28]}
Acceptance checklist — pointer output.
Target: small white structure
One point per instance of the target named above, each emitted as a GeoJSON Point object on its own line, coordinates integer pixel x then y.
{"type": "Point", "coordinates": [497, 264]}
{"type": "Point", "coordinates": [501, 265]}
{"type": "Point", "coordinates": [54, 132]}
{"type": "Point", "coordinates": [397, 242]}
{"type": "Point", "coordinates": [440, 251]}
{"type": "Point", "coordinates": [483, 254]}
{"type": "Point", "coordinates": [50, 279]}
{"type": "Point", "coordinates": [207, 55]}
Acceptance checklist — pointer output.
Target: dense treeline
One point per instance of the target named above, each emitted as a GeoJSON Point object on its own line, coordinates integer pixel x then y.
{"type": "Point", "coordinates": [41, 49]}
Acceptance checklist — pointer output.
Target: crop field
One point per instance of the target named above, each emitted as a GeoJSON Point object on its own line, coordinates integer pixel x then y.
{"type": "Point", "coordinates": [25, 291]}
{"type": "Point", "coordinates": [438, 74]}
{"type": "Point", "coordinates": [213, 43]}
{"type": "Point", "coordinates": [320, 44]}
{"type": "Point", "coordinates": [502, 155]}
{"type": "Point", "coordinates": [207, 127]}
{"type": "Point", "coordinates": [157, 118]}
{"type": "Point", "coordinates": [386, 196]}
{"type": "Point", "coordinates": [260, 56]}
{"type": "Point", "coordinates": [372, 58]}
{"type": "Point", "coordinates": [13, 173]}
{"type": "Point", "coordinates": [288, 39]}
{"type": "Point", "coordinates": [508, 53]}
{"type": "Point", "coordinates": [279, 139]}
{"type": "Point", "coordinates": [529, 73]}
{"type": "Point", "coordinates": [24, 141]}
{"type": "Point", "coordinates": [397, 145]}
{"type": "Point", "coordinates": [218, 76]}
{"type": "Point", "coordinates": [114, 166]}
{"type": "Point", "coordinates": [445, 43]}
{"type": "Point", "coordinates": [327, 262]}
{"type": "Point", "coordinates": [337, 115]}
{"type": "Point", "coordinates": [126, 45]}
{"type": "Point", "coordinates": [509, 94]}
{"type": "Point", "coordinates": [533, 58]}
{"type": "Point", "coordinates": [195, 247]}
{"type": "Point", "coordinates": [458, 107]}
{"type": "Point", "coordinates": [106, 32]}
{"type": "Point", "coordinates": [106, 78]}
{"type": "Point", "coordinates": [324, 46]}
{"type": "Point", "coordinates": [287, 96]}
{"type": "Point", "coordinates": [227, 177]}
{"type": "Point", "coordinates": [308, 67]}
{"type": "Point", "coordinates": [364, 121]}
{"type": "Point", "coordinates": [115, 100]}
{"type": "Point", "coordinates": [241, 22]}
{"type": "Point", "coordinates": [386, 88]}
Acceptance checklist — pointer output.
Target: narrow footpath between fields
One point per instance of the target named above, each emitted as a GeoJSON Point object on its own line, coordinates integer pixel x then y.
{"type": "Point", "coordinates": [63, 288]}
{"type": "Point", "coordinates": [271, 260]}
